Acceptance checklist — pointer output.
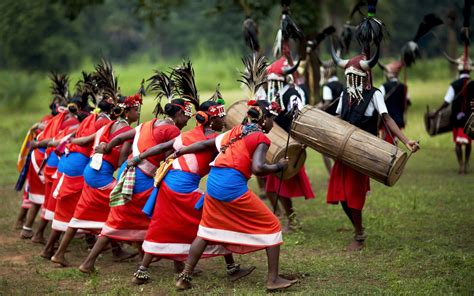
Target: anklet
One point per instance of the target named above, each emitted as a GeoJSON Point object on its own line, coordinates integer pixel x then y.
{"type": "Point", "coordinates": [232, 268]}
{"type": "Point", "coordinates": [185, 277]}
{"type": "Point", "coordinates": [142, 273]}
{"type": "Point", "coordinates": [27, 228]}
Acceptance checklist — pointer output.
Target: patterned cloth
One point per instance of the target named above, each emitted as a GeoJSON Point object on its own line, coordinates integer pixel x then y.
{"type": "Point", "coordinates": [123, 191]}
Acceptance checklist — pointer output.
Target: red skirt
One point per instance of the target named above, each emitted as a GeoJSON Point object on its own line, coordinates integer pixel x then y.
{"type": "Point", "coordinates": [347, 185]}
{"type": "Point", "coordinates": [67, 194]}
{"type": "Point", "coordinates": [174, 226]}
{"type": "Point", "coordinates": [93, 208]}
{"type": "Point", "coordinates": [459, 137]}
{"type": "Point", "coordinates": [296, 186]}
{"type": "Point", "coordinates": [52, 180]}
{"type": "Point", "coordinates": [36, 182]}
{"type": "Point", "coordinates": [127, 222]}
{"type": "Point", "coordinates": [243, 225]}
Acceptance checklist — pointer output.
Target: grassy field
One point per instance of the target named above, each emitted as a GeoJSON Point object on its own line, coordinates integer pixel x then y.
{"type": "Point", "coordinates": [420, 232]}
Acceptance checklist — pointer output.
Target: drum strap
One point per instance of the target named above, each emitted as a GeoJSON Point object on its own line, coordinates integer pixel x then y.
{"type": "Point", "coordinates": [349, 133]}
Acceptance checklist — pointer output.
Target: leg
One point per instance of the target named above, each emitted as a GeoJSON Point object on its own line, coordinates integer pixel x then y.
{"type": "Point", "coordinates": [458, 150]}
{"type": "Point", "coordinates": [327, 163]}
{"type": "Point", "coordinates": [48, 250]}
{"type": "Point", "coordinates": [39, 234]}
{"type": "Point", "coordinates": [359, 236]}
{"type": "Point", "coordinates": [348, 211]}
{"type": "Point", "coordinates": [88, 265]}
{"type": "Point", "coordinates": [467, 156]}
{"type": "Point", "coordinates": [119, 254]}
{"type": "Point", "coordinates": [274, 281]}
{"type": "Point", "coordinates": [20, 220]}
{"type": "Point", "coordinates": [27, 231]}
{"type": "Point", "coordinates": [234, 271]}
{"type": "Point", "coordinates": [58, 257]}
{"type": "Point", "coordinates": [141, 276]}
{"type": "Point", "coordinates": [293, 223]}
{"type": "Point", "coordinates": [273, 201]}
{"type": "Point", "coordinates": [197, 248]}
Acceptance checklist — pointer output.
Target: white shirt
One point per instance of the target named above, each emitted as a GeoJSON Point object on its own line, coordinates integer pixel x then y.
{"type": "Point", "coordinates": [377, 103]}
{"type": "Point", "coordinates": [450, 95]}
{"type": "Point", "coordinates": [327, 93]}
{"type": "Point", "coordinates": [382, 88]}
{"type": "Point", "coordinates": [299, 101]}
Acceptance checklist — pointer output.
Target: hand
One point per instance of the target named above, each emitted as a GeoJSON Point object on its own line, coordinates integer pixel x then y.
{"type": "Point", "coordinates": [283, 163]}
{"type": "Point", "coordinates": [33, 144]}
{"type": "Point", "coordinates": [412, 145]}
{"type": "Point", "coordinates": [101, 148]}
{"type": "Point", "coordinates": [133, 162]}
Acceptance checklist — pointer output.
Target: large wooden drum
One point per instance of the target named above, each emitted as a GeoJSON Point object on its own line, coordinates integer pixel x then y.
{"type": "Point", "coordinates": [353, 146]}
{"type": "Point", "coordinates": [440, 123]}
{"type": "Point", "coordinates": [469, 127]}
{"type": "Point", "coordinates": [296, 152]}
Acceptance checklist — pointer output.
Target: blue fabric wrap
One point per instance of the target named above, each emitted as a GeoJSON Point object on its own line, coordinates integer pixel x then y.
{"type": "Point", "coordinates": [176, 180]}
{"type": "Point", "coordinates": [100, 178]}
{"type": "Point", "coordinates": [149, 207]}
{"type": "Point", "coordinates": [61, 165]}
{"type": "Point", "coordinates": [142, 181]}
{"type": "Point", "coordinates": [182, 182]}
{"type": "Point", "coordinates": [220, 187]}
{"type": "Point", "coordinates": [42, 149]}
{"type": "Point", "coordinates": [53, 160]}
{"type": "Point", "coordinates": [73, 164]}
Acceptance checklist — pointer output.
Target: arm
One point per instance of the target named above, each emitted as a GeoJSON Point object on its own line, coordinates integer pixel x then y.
{"type": "Point", "coordinates": [125, 152]}
{"type": "Point", "coordinates": [410, 144]}
{"type": "Point", "coordinates": [83, 140]}
{"type": "Point", "coordinates": [448, 99]}
{"type": "Point", "coordinates": [260, 168]}
{"type": "Point", "coordinates": [160, 148]}
{"type": "Point", "coordinates": [104, 149]}
{"type": "Point", "coordinates": [196, 147]}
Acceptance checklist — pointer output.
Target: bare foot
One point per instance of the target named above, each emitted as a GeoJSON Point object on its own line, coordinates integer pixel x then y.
{"type": "Point", "coordinates": [26, 233]}
{"type": "Point", "coordinates": [243, 272]}
{"type": "Point", "coordinates": [141, 276]}
{"type": "Point", "coordinates": [86, 269]}
{"type": "Point", "coordinates": [61, 260]}
{"type": "Point", "coordinates": [279, 283]}
{"type": "Point", "coordinates": [47, 254]}
{"type": "Point", "coordinates": [182, 284]}
{"type": "Point", "coordinates": [355, 246]}
{"type": "Point", "coordinates": [38, 239]}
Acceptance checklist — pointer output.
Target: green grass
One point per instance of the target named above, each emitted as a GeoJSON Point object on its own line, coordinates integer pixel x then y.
{"type": "Point", "coordinates": [420, 232]}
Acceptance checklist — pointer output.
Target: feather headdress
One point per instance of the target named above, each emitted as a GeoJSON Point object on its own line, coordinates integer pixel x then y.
{"type": "Point", "coordinates": [164, 87]}
{"type": "Point", "coordinates": [60, 85]}
{"type": "Point", "coordinates": [106, 80]}
{"type": "Point", "coordinates": [217, 96]}
{"type": "Point", "coordinates": [255, 74]}
{"type": "Point", "coordinates": [185, 84]}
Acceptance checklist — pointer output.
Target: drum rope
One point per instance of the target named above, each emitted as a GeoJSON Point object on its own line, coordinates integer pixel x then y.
{"type": "Point", "coordinates": [341, 149]}
{"type": "Point", "coordinates": [292, 117]}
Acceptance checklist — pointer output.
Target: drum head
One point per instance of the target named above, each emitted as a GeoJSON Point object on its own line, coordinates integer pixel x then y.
{"type": "Point", "coordinates": [296, 159]}
{"type": "Point", "coordinates": [396, 170]}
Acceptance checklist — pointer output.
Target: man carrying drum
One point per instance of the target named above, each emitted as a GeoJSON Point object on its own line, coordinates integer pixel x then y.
{"type": "Point", "coordinates": [360, 105]}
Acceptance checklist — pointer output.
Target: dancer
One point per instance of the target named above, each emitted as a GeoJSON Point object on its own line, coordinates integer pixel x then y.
{"type": "Point", "coordinates": [360, 105]}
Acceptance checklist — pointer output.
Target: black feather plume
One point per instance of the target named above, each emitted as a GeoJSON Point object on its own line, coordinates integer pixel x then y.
{"type": "Point", "coordinates": [164, 87]}
{"type": "Point", "coordinates": [429, 22]}
{"type": "Point", "coordinates": [466, 12]}
{"type": "Point", "coordinates": [250, 31]}
{"type": "Point", "coordinates": [370, 30]}
{"type": "Point", "coordinates": [255, 73]}
{"type": "Point", "coordinates": [217, 96]}
{"type": "Point", "coordinates": [410, 52]}
{"type": "Point", "coordinates": [106, 80]}
{"type": "Point", "coordinates": [185, 85]}
{"type": "Point", "coordinates": [289, 29]}
{"type": "Point", "coordinates": [323, 34]}
{"type": "Point", "coordinates": [60, 85]}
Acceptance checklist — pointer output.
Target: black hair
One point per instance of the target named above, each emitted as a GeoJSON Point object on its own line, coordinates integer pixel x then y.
{"type": "Point", "coordinates": [204, 107]}
{"type": "Point", "coordinates": [105, 106]}
{"type": "Point", "coordinates": [171, 109]}
{"type": "Point", "coordinates": [254, 114]}
{"type": "Point", "coordinates": [117, 111]}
